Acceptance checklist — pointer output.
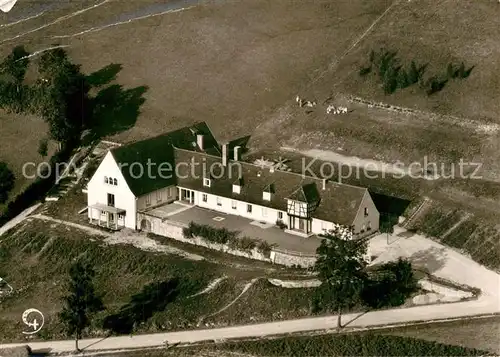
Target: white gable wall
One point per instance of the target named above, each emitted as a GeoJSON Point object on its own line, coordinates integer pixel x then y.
{"type": "Point", "coordinates": [366, 224]}
{"type": "Point", "coordinates": [97, 190]}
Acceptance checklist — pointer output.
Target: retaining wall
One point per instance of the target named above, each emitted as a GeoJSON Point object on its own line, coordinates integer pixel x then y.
{"type": "Point", "coordinates": [292, 259]}
{"type": "Point", "coordinates": [172, 229]}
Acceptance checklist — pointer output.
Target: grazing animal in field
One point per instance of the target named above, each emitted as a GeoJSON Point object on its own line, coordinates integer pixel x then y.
{"type": "Point", "coordinates": [302, 102]}
{"type": "Point", "coordinates": [299, 101]}
{"type": "Point", "coordinates": [331, 109]}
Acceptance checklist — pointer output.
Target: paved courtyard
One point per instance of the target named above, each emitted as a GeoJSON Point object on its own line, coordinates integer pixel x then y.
{"type": "Point", "coordinates": [269, 233]}
{"type": "Point", "coordinates": [167, 210]}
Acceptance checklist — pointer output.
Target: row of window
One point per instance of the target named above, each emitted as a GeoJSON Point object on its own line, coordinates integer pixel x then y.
{"type": "Point", "coordinates": [234, 205]}
{"type": "Point", "coordinates": [110, 181]}
{"type": "Point", "coordinates": [120, 215]}
{"type": "Point", "coordinates": [159, 196]}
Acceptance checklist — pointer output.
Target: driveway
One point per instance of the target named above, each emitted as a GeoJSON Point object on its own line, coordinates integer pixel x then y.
{"type": "Point", "coordinates": [269, 233]}
{"type": "Point", "coordinates": [437, 259]}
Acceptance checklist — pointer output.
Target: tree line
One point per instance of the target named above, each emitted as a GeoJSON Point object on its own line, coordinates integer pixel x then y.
{"type": "Point", "coordinates": [394, 76]}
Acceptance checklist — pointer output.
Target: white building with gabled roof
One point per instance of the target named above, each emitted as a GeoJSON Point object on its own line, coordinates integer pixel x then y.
{"type": "Point", "coordinates": [189, 165]}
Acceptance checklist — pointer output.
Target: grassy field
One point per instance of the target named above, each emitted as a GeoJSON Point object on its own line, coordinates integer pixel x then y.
{"type": "Point", "coordinates": [243, 66]}
{"type": "Point", "coordinates": [364, 344]}
{"type": "Point", "coordinates": [19, 145]}
{"type": "Point", "coordinates": [474, 235]}
{"type": "Point", "coordinates": [431, 33]}
{"type": "Point", "coordinates": [476, 333]}
{"type": "Point", "coordinates": [35, 258]}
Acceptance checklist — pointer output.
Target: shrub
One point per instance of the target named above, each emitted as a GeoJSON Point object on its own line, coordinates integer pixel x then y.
{"type": "Point", "coordinates": [211, 234]}
{"type": "Point", "coordinates": [281, 224]}
{"type": "Point", "coordinates": [393, 283]}
{"type": "Point", "coordinates": [434, 85]}
{"type": "Point", "coordinates": [43, 147]}
{"type": "Point", "coordinates": [186, 232]}
{"type": "Point", "coordinates": [225, 236]}
{"type": "Point", "coordinates": [365, 71]}
{"type": "Point", "coordinates": [265, 248]}
{"type": "Point", "coordinates": [6, 181]}
{"type": "Point", "coordinates": [393, 76]}
{"type": "Point", "coordinates": [247, 244]}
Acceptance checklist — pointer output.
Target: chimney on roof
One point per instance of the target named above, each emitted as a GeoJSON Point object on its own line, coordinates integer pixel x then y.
{"type": "Point", "coordinates": [199, 141]}
{"type": "Point", "coordinates": [237, 153]}
{"type": "Point", "coordinates": [224, 154]}
{"type": "Point", "coordinates": [324, 184]}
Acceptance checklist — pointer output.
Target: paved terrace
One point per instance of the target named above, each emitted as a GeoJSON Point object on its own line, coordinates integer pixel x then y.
{"type": "Point", "coordinates": [270, 233]}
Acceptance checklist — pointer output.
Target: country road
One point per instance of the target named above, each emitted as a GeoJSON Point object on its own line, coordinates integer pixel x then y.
{"type": "Point", "coordinates": [485, 305]}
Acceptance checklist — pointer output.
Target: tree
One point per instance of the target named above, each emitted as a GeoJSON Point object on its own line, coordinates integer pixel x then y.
{"type": "Point", "coordinates": [43, 147]}
{"type": "Point", "coordinates": [16, 64]}
{"type": "Point", "coordinates": [81, 302]}
{"type": "Point", "coordinates": [341, 268]}
{"type": "Point", "coordinates": [6, 181]}
{"type": "Point", "coordinates": [403, 81]}
{"type": "Point", "coordinates": [387, 223]}
{"type": "Point", "coordinates": [390, 80]}
{"type": "Point", "coordinates": [461, 70]}
{"type": "Point", "coordinates": [63, 94]}
{"type": "Point", "coordinates": [435, 85]}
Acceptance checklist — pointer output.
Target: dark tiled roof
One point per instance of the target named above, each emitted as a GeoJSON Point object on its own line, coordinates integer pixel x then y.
{"type": "Point", "coordinates": [338, 203]}
{"type": "Point", "coordinates": [270, 188]}
{"type": "Point", "coordinates": [306, 193]}
{"type": "Point", "coordinates": [160, 150]}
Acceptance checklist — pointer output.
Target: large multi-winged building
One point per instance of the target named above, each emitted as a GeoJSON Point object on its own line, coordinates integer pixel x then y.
{"type": "Point", "coordinates": [190, 166]}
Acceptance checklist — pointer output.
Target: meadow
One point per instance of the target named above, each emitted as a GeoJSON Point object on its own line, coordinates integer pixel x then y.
{"type": "Point", "coordinates": [355, 344]}
{"type": "Point", "coordinates": [155, 289]}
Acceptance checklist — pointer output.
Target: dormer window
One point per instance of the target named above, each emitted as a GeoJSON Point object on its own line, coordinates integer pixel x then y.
{"type": "Point", "coordinates": [237, 185]}
{"type": "Point", "coordinates": [303, 201]}
{"type": "Point", "coordinates": [267, 193]}
{"type": "Point", "coordinates": [206, 182]}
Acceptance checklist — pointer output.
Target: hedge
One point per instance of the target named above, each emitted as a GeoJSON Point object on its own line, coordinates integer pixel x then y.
{"type": "Point", "coordinates": [227, 237]}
